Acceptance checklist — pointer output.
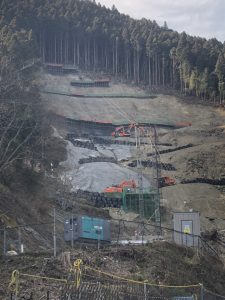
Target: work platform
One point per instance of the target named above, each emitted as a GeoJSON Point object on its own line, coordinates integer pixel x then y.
{"type": "Point", "coordinates": [91, 83]}
{"type": "Point", "coordinates": [60, 68]}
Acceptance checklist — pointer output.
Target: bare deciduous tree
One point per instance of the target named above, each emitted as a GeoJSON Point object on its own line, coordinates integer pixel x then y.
{"type": "Point", "coordinates": [15, 133]}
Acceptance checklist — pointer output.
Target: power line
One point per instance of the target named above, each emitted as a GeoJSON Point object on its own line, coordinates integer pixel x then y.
{"type": "Point", "coordinates": [26, 225]}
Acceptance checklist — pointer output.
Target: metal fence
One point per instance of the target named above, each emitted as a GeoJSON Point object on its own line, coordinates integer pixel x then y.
{"type": "Point", "coordinates": [97, 285]}
{"type": "Point", "coordinates": [29, 238]}
{"type": "Point", "coordinates": [49, 237]}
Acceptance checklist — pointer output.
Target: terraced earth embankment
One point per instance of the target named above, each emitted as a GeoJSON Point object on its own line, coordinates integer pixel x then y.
{"type": "Point", "coordinates": [97, 160]}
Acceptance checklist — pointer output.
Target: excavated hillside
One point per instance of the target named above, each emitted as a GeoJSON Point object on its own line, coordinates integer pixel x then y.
{"type": "Point", "coordinates": [84, 156]}
{"type": "Point", "coordinates": [192, 155]}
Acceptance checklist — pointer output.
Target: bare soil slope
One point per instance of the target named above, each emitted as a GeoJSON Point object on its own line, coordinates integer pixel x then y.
{"type": "Point", "coordinates": [205, 159]}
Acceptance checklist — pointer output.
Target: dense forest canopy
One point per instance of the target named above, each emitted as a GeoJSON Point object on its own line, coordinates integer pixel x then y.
{"type": "Point", "coordinates": [96, 38]}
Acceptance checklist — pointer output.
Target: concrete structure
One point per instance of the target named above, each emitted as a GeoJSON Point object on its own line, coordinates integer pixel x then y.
{"type": "Point", "coordinates": [187, 228]}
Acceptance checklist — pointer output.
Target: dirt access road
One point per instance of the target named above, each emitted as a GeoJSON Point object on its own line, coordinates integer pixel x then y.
{"type": "Point", "coordinates": [204, 159]}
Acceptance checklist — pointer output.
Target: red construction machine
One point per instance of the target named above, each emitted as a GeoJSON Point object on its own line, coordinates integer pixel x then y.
{"type": "Point", "coordinates": [122, 131]}
{"type": "Point", "coordinates": [120, 187]}
{"type": "Point", "coordinates": [128, 130]}
{"type": "Point", "coordinates": [166, 181]}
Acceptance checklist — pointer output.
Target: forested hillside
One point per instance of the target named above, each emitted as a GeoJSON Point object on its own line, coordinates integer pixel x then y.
{"type": "Point", "coordinates": [20, 109]}
{"type": "Point", "coordinates": [96, 38]}
{"type": "Point", "coordinates": [77, 143]}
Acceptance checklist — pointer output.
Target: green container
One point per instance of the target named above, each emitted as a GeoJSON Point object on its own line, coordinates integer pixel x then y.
{"type": "Point", "coordinates": [87, 228]}
{"type": "Point", "coordinates": [92, 228]}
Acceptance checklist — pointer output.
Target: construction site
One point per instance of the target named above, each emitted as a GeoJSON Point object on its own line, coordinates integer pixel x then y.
{"type": "Point", "coordinates": [152, 141]}
{"type": "Point", "coordinates": [137, 165]}
{"type": "Point", "coordinates": [112, 161]}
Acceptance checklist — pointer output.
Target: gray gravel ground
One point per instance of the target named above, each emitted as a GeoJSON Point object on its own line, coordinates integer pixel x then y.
{"type": "Point", "coordinates": [96, 177]}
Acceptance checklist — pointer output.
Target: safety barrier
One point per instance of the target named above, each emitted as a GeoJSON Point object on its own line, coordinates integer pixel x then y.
{"type": "Point", "coordinates": [86, 282]}
{"type": "Point", "coordinates": [98, 96]}
{"type": "Point", "coordinates": [172, 150]}
{"type": "Point", "coordinates": [31, 238]}
{"type": "Point", "coordinates": [152, 164]}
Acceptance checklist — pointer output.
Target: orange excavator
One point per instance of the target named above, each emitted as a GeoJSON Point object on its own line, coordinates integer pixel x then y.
{"type": "Point", "coordinates": [129, 130]}
{"type": "Point", "coordinates": [122, 131]}
{"type": "Point", "coordinates": [166, 181]}
{"type": "Point", "coordinates": [131, 184]}
{"type": "Point", "coordinates": [120, 187]}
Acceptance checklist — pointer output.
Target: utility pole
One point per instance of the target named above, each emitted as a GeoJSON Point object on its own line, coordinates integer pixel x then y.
{"type": "Point", "coordinates": [4, 242]}
{"type": "Point", "coordinates": [140, 175]}
{"type": "Point", "coordinates": [202, 291]}
{"type": "Point", "coordinates": [72, 233]}
{"type": "Point", "coordinates": [145, 290]}
{"type": "Point", "coordinates": [158, 175]}
{"type": "Point", "coordinates": [98, 241]}
{"type": "Point", "coordinates": [54, 233]}
{"type": "Point", "coordinates": [19, 238]}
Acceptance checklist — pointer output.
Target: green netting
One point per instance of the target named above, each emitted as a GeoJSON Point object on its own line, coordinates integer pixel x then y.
{"type": "Point", "coordinates": [108, 95]}
{"type": "Point", "coordinates": [130, 200]}
{"type": "Point", "coordinates": [145, 122]}
{"type": "Point", "coordinates": [114, 195]}
{"type": "Point", "coordinates": [131, 203]}
{"type": "Point", "coordinates": [120, 95]}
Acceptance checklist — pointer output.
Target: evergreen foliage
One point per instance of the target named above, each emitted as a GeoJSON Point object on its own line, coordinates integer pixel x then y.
{"type": "Point", "coordinates": [96, 38]}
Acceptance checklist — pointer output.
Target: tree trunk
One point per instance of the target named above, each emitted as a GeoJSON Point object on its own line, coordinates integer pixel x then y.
{"type": "Point", "coordinates": [74, 51]}
{"type": "Point", "coordinates": [61, 49]}
{"type": "Point", "coordinates": [138, 68]}
{"type": "Point", "coordinates": [78, 53]}
{"type": "Point", "coordinates": [156, 69]}
{"type": "Point", "coordinates": [127, 63]}
{"type": "Point", "coordinates": [163, 70]}
{"type": "Point", "coordinates": [149, 72]}
{"type": "Point", "coordinates": [55, 49]}
{"type": "Point", "coordinates": [116, 56]}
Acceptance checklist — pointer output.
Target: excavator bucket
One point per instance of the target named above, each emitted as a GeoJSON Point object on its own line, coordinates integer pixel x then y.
{"type": "Point", "coordinates": [113, 189]}
{"type": "Point", "coordinates": [128, 184]}
{"type": "Point", "coordinates": [122, 131]}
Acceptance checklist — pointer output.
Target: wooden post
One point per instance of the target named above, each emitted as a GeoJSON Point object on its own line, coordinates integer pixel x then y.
{"type": "Point", "coordinates": [202, 291]}
{"type": "Point", "coordinates": [4, 242]}
{"type": "Point", "coordinates": [54, 233]}
{"type": "Point", "coordinates": [145, 291]}
{"type": "Point", "coordinates": [72, 237]}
